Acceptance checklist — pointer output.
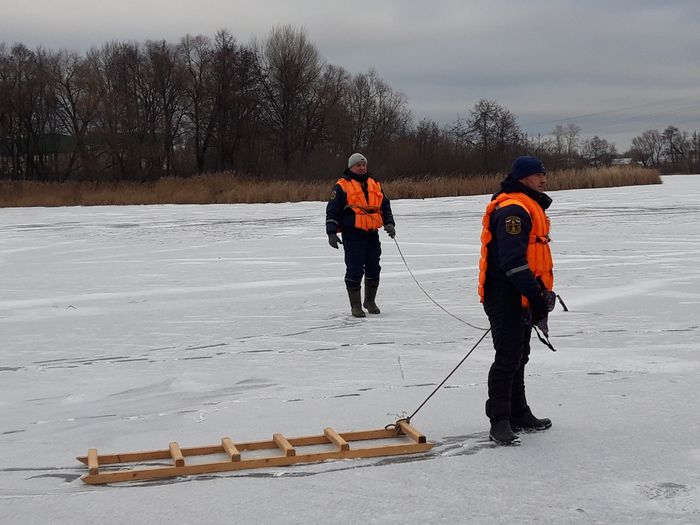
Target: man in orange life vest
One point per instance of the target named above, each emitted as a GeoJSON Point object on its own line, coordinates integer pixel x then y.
{"type": "Point", "coordinates": [358, 208]}
{"type": "Point", "coordinates": [515, 286]}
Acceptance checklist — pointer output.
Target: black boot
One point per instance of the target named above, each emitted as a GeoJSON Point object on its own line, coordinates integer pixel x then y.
{"type": "Point", "coordinates": [371, 286]}
{"type": "Point", "coordinates": [525, 421]}
{"type": "Point", "coordinates": [502, 434]}
{"type": "Point", "coordinates": [356, 302]}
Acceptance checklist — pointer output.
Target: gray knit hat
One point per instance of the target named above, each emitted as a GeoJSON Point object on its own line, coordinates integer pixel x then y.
{"type": "Point", "coordinates": [355, 158]}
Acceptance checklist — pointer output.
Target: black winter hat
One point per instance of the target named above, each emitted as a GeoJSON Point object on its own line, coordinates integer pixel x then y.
{"type": "Point", "coordinates": [524, 166]}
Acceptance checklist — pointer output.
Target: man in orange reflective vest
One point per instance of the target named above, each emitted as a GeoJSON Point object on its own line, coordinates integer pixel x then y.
{"type": "Point", "coordinates": [357, 208]}
{"type": "Point", "coordinates": [515, 286]}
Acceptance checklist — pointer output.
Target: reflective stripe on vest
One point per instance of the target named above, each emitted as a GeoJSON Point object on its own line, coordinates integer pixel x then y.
{"type": "Point", "coordinates": [367, 214]}
{"type": "Point", "coordinates": [539, 256]}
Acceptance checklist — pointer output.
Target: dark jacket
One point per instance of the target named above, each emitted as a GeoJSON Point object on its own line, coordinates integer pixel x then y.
{"type": "Point", "coordinates": [338, 217]}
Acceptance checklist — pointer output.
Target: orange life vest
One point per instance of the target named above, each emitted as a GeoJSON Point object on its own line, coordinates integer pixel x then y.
{"type": "Point", "coordinates": [367, 208]}
{"type": "Point", "coordinates": [539, 256]}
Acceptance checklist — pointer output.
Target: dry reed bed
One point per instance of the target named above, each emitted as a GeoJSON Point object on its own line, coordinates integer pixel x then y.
{"type": "Point", "coordinates": [228, 188]}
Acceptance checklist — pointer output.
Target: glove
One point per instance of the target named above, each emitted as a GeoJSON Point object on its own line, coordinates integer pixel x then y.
{"type": "Point", "coordinates": [549, 296]}
{"type": "Point", "coordinates": [390, 230]}
{"type": "Point", "coordinates": [551, 299]}
{"type": "Point", "coordinates": [334, 240]}
{"type": "Point", "coordinates": [539, 308]}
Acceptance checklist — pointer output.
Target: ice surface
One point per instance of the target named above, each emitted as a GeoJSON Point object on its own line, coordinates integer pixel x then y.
{"type": "Point", "coordinates": [125, 328]}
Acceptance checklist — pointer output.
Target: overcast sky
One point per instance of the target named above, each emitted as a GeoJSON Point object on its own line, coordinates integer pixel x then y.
{"type": "Point", "coordinates": [615, 68]}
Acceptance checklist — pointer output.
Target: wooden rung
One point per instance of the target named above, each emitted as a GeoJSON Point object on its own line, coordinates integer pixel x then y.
{"type": "Point", "coordinates": [411, 432]}
{"type": "Point", "coordinates": [176, 454]}
{"type": "Point", "coordinates": [285, 445]}
{"type": "Point", "coordinates": [230, 449]}
{"type": "Point", "coordinates": [336, 439]}
{"type": "Point", "coordinates": [93, 465]}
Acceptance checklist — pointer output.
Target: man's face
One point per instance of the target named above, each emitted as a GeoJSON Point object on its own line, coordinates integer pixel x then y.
{"type": "Point", "coordinates": [359, 169]}
{"type": "Point", "coordinates": [536, 181]}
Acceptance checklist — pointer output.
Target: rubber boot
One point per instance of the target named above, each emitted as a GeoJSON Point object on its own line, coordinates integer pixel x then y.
{"type": "Point", "coordinates": [355, 296]}
{"type": "Point", "coordinates": [371, 286]}
{"type": "Point", "coordinates": [527, 422]}
{"type": "Point", "coordinates": [502, 434]}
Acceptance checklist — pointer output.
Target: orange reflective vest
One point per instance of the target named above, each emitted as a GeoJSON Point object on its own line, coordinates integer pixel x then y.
{"type": "Point", "coordinates": [367, 208]}
{"type": "Point", "coordinates": [539, 256]}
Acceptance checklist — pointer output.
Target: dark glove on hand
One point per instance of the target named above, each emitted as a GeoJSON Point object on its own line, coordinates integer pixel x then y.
{"type": "Point", "coordinates": [551, 299]}
{"type": "Point", "coordinates": [390, 230]}
{"type": "Point", "coordinates": [549, 296]}
{"type": "Point", "coordinates": [538, 307]}
{"type": "Point", "coordinates": [334, 240]}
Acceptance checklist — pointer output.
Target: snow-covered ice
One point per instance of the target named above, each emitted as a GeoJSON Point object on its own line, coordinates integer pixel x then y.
{"type": "Point", "coordinates": [125, 328]}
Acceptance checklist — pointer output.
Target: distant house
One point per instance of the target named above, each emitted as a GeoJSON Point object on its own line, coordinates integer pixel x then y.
{"type": "Point", "coordinates": [622, 161]}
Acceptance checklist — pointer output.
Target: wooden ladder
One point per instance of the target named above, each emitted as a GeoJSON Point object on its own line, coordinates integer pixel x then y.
{"type": "Point", "coordinates": [405, 439]}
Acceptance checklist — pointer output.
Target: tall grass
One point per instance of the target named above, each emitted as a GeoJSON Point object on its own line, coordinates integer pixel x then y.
{"type": "Point", "coordinates": [447, 186]}
{"type": "Point", "coordinates": [229, 188]}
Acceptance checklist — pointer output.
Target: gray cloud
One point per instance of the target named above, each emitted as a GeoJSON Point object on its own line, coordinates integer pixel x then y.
{"type": "Point", "coordinates": [614, 68]}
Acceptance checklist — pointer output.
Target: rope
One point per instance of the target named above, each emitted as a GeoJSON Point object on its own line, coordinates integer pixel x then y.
{"type": "Point", "coordinates": [408, 419]}
{"type": "Point", "coordinates": [428, 295]}
{"type": "Point", "coordinates": [395, 426]}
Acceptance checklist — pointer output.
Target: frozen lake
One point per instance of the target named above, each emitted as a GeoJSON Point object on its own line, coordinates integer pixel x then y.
{"type": "Point", "coordinates": [125, 328]}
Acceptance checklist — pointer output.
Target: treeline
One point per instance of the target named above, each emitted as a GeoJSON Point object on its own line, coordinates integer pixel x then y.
{"type": "Point", "coordinates": [671, 150]}
{"type": "Point", "coordinates": [130, 111]}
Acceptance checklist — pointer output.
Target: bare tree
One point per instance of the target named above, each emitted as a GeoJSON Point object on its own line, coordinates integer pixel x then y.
{"type": "Point", "coordinates": [599, 151]}
{"type": "Point", "coordinates": [491, 131]}
{"type": "Point", "coordinates": [359, 106]}
{"type": "Point", "coordinates": [428, 138]}
{"type": "Point", "coordinates": [167, 81]}
{"type": "Point", "coordinates": [675, 144]}
{"type": "Point", "coordinates": [694, 159]}
{"type": "Point", "coordinates": [237, 94]}
{"type": "Point", "coordinates": [322, 111]}
{"type": "Point", "coordinates": [130, 115]}
{"type": "Point", "coordinates": [121, 121]}
{"type": "Point", "coordinates": [430, 150]}
{"type": "Point", "coordinates": [648, 147]}
{"type": "Point", "coordinates": [76, 104]}
{"type": "Point", "coordinates": [290, 67]}
{"type": "Point", "coordinates": [559, 146]}
{"type": "Point", "coordinates": [9, 122]}
{"type": "Point", "coordinates": [573, 133]}
{"type": "Point", "coordinates": [28, 113]}
{"type": "Point", "coordinates": [378, 114]}
{"type": "Point", "coordinates": [197, 54]}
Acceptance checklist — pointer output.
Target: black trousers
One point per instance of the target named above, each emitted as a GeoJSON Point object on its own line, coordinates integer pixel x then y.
{"type": "Point", "coordinates": [511, 340]}
{"type": "Point", "coordinates": [362, 253]}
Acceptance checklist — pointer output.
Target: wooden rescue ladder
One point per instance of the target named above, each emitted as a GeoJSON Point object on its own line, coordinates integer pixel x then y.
{"type": "Point", "coordinates": [405, 439]}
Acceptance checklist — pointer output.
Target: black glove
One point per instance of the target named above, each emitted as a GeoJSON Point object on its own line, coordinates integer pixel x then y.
{"type": "Point", "coordinates": [390, 230]}
{"type": "Point", "coordinates": [538, 307]}
{"type": "Point", "coordinates": [549, 296]}
{"type": "Point", "coordinates": [334, 240]}
{"type": "Point", "coordinates": [551, 299]}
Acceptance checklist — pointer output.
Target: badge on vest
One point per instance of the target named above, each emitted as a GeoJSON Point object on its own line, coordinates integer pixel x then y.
{"type": "Point", "coordinates": [513, 225]}
{"type": "Point", "coordinates": [332, 197]}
